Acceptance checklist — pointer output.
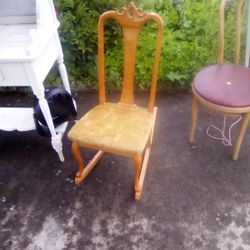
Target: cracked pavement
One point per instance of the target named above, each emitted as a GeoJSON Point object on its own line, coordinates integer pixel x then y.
{"type": "Point", "coordinates": [194, 196]}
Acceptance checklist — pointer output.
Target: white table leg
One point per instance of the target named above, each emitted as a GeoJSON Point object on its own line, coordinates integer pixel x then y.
{"type": "Point", "coordinates": [61, 65]}
{"type": "Point", "coordinates": [62, 68]}
{"type": "Point", "coordinates": [38, 90]}
{"type": "Point", "coordinates": [57, 146]}
{"type": "Point", "coordinates": [56, 140]}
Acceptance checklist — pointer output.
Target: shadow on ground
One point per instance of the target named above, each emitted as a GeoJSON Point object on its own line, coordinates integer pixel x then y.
{"type": "Point", "coordinates": [194, 196]}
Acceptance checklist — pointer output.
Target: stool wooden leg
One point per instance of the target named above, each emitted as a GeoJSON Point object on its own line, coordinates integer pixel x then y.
{"type": "Point", "coordinates": [195, 110]}
{"type": "Point", "coordinates": [138, 188]}
{"type": "Point", "coordinates": [241, 133]}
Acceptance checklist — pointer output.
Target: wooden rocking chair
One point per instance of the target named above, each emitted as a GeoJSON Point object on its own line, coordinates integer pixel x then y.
{"type": "Point", "coordinates": [120, 128]}
{"type": "Point", "coordinates": [224, 88]}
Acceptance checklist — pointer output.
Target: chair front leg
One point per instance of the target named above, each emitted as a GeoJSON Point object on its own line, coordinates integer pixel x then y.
{"type": "Point", "coordinates": [138, 164]}
{"type": "Point", "coordinates": [195, 110]}
{"type": "Point", "coordinates": [241, 133]}
{"type": "Point", "coordinates": [75, 149]}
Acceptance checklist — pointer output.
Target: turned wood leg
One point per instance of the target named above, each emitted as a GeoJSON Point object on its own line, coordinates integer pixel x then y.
{"type": "Point", "coordinates": [195, 110]}
{"type": "Point", "coordinates": [242, 130]}
{"type": "Point", "coordinates": [61, 65]}
{"type": "Point", "coordinates": [63, 73]}
{"type": "Point", "coordinates": [138, 188]}
{"type": "Point", "coordinates": [57, 146]}
{"type": "Point", "coordinates": [78, 158]}
{"type": "Point", "coordinates": [56, 140]}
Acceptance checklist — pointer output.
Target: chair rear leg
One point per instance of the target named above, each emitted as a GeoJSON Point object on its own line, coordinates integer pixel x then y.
{"type": "Point", "coordinates": [195, 110]}
{"type": "Point", "coordinates": [241, 133]}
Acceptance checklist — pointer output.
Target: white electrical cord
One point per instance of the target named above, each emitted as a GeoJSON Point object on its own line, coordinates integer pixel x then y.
{"type": "Point", "coordinates": [226, 141]}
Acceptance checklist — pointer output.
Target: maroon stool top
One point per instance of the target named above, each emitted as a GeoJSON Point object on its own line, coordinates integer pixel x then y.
{"type": "Point", "coordinates": [224, 84]}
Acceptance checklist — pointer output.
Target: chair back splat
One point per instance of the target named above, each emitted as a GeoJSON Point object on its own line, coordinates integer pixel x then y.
{"type": "Point", "coordinates": [131, 19]}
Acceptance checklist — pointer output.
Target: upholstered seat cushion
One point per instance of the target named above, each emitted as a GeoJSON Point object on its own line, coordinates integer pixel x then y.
{"type": "Point", "coordinates": [224, 84]}
{"type": "Point", "coordinates": [114, 127]}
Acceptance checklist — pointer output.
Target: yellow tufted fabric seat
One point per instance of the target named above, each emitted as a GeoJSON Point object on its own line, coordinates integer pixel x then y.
{"type": "Point", "coordinates": [111, 126]}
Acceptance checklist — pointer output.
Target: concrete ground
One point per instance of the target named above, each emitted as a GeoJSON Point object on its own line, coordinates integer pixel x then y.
{"type": "Point", "coordinates": [194, 196]}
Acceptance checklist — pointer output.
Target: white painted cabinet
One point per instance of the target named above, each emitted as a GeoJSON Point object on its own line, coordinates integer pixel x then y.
{"type": "Point", "coordinates": [29, 47]}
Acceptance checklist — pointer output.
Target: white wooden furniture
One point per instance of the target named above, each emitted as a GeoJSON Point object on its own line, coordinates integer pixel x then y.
{"type": "Point", "coordinates": [29, 46]}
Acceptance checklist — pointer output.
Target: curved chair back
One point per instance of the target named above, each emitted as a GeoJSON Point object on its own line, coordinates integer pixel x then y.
{"type": "Point", "coordinates": [222, 27]}
{"type": "Point", "coordinates": [131, 19]}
